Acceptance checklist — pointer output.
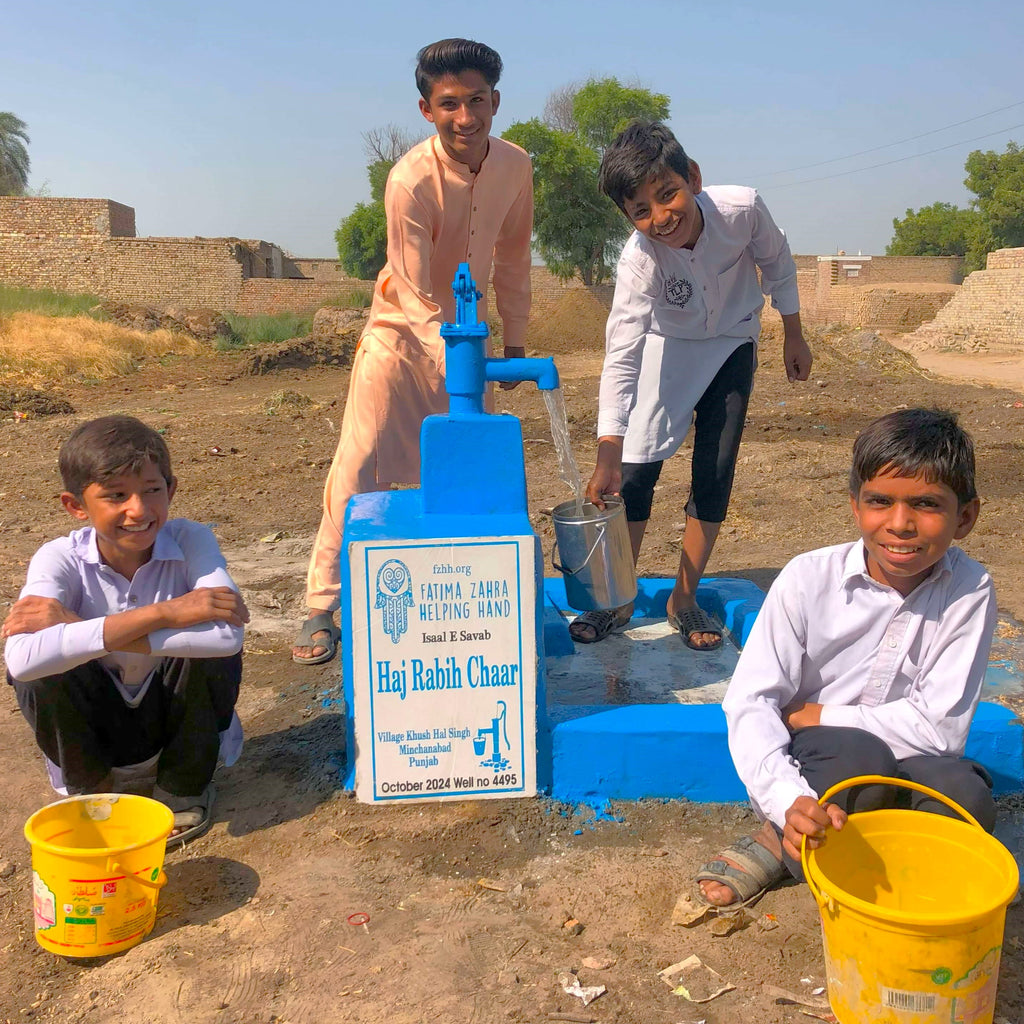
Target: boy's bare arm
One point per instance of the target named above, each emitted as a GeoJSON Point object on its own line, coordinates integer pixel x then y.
{"type": "Point", "coordinates": [129, 631]}
{"type": "Point", "coordinates": [796, 354]}
{"type": "Point", "coordinates": [32, 613]}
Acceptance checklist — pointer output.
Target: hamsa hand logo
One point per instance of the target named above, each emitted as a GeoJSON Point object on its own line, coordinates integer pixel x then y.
{"type": "Point", "coordinates": [394, 597]}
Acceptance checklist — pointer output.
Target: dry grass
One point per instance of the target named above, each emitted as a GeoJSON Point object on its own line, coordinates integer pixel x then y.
{"type": "Point", "coordinates": [39, 350]}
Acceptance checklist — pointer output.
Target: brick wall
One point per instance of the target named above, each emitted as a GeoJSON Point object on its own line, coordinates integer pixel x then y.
{"type": "Point", "coordinates": [182, 271]}
{"type": "Point", "coordinates": [1005, 259]}
{"type": "Point", "coordinates": [320, 270]}
{"type": "Point", "coordinates": [987, 312]}
{"type": "Point", "coordinates": [294, 295]}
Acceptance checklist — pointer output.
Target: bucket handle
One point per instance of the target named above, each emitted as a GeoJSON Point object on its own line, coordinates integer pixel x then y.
{"type": "Point", "coordinates": [822, 898]}
{"type": "Point", "coordinates": [158, 883]}
{"type": "Point", "coordinates": [590, 554]}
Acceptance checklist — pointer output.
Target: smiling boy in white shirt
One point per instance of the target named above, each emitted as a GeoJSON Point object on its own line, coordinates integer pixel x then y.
{"type": "Point", "coordinates": [680, 348]}
{"type": "Point", "coordinates": [867, 658]}
{"type": "Point", "coordinates": [124, 646]}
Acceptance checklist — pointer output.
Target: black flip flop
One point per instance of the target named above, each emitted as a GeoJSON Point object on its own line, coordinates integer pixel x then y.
{"type": "Point", "coordinates": [695, 620]}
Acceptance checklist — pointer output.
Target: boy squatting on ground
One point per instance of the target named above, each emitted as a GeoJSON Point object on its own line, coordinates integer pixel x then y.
{"type": "Point", "coordinates": [866, 658]}
{"type": "Point", "coordinates": [459, 196]}
{"type": "Point", "coordinates": [124, 647]}
{"type": "Point", "coordinates": [680, 347]}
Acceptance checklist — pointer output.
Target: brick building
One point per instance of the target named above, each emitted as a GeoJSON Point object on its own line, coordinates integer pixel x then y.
{"type": "Point", "coordinates": [90, 245]}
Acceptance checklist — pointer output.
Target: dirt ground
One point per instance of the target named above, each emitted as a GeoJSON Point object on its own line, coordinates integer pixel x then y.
{"type": "Point", "coordinates": [252, 925]}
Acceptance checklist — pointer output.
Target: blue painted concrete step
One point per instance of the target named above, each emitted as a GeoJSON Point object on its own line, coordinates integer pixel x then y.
{"type": "Point", "coordinates": [677, 750]}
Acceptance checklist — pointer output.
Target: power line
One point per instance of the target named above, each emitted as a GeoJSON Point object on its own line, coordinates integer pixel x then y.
{"type": "Point", "coordinates": [898, 160]}
{"type": "Point", "coordinates": [888, 145]}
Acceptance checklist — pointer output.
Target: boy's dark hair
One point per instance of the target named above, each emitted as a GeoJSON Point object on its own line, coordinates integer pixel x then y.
{"type": "Point", "coordinates": [912, 441]}
{"type": "Point", "coordinates": [105, 447]}
{"type": "Point", "coordinates": [452, 57]}
{"type": "Point", "coordinates": [640, 150]}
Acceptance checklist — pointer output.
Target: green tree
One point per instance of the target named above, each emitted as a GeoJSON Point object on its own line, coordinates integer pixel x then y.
{"type": "Point", "coordinates": [14, 161]}
{"type": "Point", "coordinates": [941, 229]}
{"type": "Point", "coordinates": [994, 219]}
{"type": "Point", "coordinates": [362, 236]}
{"type": "Point", "coordinates": [577, 230]}
{"type": "Point", "coordinates": [997, 179]}
{"type": "Point", "coordinates": [602, 107]}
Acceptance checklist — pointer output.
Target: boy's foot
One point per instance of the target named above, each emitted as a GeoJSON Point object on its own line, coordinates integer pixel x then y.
{"type": "Point", "coordinates": [193, 815]}
{"type": "Point", "coordinates": [317, 640]}
{"type": "Point", "coordinates": [592, 626]}
{"type": "Point", "coordinates": [696, 628]}
{"type": "Point", "coordinates": [744, 871]}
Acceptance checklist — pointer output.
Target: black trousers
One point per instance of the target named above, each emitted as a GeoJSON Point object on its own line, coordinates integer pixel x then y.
{"type": "Point", "coordinates": [828, 755]}
{"type": "Point", "coordinates": [718, 421]}
{"type": "Point", "coordinates": [82, 723]}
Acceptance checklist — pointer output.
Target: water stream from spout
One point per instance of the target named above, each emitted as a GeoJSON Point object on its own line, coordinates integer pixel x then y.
{"type": "Point", "coordinates": [567, 468]}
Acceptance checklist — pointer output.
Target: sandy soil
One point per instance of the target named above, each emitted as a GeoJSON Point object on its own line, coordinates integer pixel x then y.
{"type": "Point", "coordinates": [252, 927]}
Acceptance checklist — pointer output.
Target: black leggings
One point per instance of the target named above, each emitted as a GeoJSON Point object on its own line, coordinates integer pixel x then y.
{"type": "Point", "coordinates": [717, 429]}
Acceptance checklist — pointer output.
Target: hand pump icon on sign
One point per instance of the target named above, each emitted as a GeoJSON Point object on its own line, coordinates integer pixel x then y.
{"type": "Point", "coordinates": [496, 731]}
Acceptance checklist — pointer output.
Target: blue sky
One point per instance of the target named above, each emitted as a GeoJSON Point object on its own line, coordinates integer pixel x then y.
{"type": "Point", "coordinates": [245, 118]}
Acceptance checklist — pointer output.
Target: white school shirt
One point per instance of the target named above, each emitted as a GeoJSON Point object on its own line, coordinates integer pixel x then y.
{"type": "Point", "coordinates": [70, 570]}
{"type": "Point", "coordinates": [909, 670]}
{"type": "Point", "coordinates": [678, 314]}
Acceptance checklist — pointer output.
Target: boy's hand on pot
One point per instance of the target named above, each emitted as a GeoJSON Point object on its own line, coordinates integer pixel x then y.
{"type": "Point", "coordinates": [32, 613]}
{"type": "Point", "coordinates": [808, 818]}
{"type": "Point", "coordinates": [796, 354]}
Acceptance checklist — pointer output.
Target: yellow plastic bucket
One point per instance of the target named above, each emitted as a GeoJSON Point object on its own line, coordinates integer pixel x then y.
{"type": "Point", "coordinates": [912, 911]}
{"type": "Point", "coordinates": [97, 868]}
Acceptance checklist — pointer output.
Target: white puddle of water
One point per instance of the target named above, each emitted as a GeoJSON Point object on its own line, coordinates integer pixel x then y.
{"type": "Point", "coordinates": [648, 663]}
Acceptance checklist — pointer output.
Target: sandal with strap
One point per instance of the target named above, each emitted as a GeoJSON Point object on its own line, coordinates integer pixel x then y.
{"type": "Point", "coordinates": [323, 622]}
{"type": "Point", "coordinates": [595, 625]}
{"type": "Point", "coordinates": [193, 815]}
{"type": "Point", "coordinates": [695, 620]}
{"type": "Point", "coordinates": [757, 872]}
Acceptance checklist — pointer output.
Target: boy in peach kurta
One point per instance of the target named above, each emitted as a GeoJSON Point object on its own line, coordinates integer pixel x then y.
{"type": "Point", "coordinates": [460, 195]}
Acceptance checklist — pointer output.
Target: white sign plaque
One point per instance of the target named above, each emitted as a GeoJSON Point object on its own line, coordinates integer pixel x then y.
{"type": "Point", "coordinates": [444, 657]}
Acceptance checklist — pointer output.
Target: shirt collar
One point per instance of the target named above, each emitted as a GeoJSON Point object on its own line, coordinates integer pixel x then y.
{"type": "Point", "coordinates": [462, 170]}
{"type": "Point", "coordinates": [856, 566]}
{"type": "Point", "coordinates": [165, 548]}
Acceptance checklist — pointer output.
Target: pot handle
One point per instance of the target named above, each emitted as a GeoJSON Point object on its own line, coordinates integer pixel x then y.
{"type": "Point", "coordinates": [158, 883]}
{"type": "Point", "coordinates": [822, 898]}
{"type": "Point", "coordinates": [590, 554]}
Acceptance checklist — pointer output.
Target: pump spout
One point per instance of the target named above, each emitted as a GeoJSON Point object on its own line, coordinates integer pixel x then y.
{"type": "Point", "coordinates": [542, 371]}
{"type": "Point", "coordinates": [467, 369]}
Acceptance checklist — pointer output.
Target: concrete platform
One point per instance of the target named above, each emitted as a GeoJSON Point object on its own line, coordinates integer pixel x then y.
{"type": "Point", "coordinates": [639, 715]}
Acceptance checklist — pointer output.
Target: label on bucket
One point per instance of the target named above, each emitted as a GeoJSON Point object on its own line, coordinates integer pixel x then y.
{"type": "Point", "coordinates": [911, 1002]}
{"type": "Point", "coordinates": [444, 668]}
{"type": "Point", "coordinates": [44, 904]}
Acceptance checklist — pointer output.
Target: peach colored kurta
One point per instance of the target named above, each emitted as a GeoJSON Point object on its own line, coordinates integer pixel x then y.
{"type": "Point", "coordinates": [439, 214]}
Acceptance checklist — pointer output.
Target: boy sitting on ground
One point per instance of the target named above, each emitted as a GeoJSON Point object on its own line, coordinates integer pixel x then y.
{"type": "Point", "coordinates": [867, 658]}
{"type": "Point", "coordinates": [124, 647]}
